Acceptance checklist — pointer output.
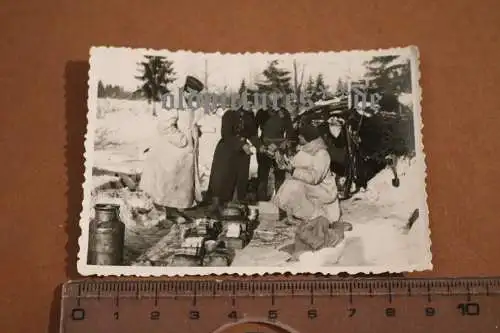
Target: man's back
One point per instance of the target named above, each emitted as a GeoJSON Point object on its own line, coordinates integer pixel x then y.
{"type": "Point", "coordinates": [274, 124]}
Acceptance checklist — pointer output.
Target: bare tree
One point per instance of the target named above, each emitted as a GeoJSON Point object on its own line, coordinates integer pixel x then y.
{"type": "Point", "coordinates": [297, 86]}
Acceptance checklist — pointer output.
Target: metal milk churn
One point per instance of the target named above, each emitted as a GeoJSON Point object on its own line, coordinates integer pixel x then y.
{"type": "Point", "coordinates": [106, 236]}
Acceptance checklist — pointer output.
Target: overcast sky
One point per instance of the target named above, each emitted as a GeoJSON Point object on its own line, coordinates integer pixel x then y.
{"type": "Point", "coordinates": [118, 66]}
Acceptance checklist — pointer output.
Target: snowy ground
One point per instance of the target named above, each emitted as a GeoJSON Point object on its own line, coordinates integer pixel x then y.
{"type": "Point", "coordinates": [379, 237]}
{"type": "Point", "coordinates": [126, 128]}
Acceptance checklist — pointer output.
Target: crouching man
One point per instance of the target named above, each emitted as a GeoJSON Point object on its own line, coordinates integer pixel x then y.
{"type": "Point", "coordinates": [310, 197]}
{"type": "Point", "coordinates": [311, 191]}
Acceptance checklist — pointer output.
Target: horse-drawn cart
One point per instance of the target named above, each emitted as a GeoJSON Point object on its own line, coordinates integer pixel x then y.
{"type": "Point", "coordinates": [361, 143]}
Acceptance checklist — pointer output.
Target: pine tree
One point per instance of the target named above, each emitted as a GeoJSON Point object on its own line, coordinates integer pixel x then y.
{"type": "Point", "coordinates": [277, 80]}
{"type": "Point", "coordinates": [245, 90]}
{"type": "Point", "coordinates": [156, 74]}
{"type": "Point", "coordinates": [401, 77]}
{"type": "Point", "coordinates": [309, 89]}
{"type": "Point", "coordinates": [392, 78]}
{"type": "Point", "coordinates": [320, 91]}
{"type": "Point", "coordinates": [100, 90]}
{"type": "Point", "coordinates": [243, 87]}
{"type": "Point", "coordinates": [341, 89]}
{"type": "Point", "coordinates": [388, 134]}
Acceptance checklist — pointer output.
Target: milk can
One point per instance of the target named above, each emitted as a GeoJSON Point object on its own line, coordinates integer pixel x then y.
{"type": "Point", "coordinates": [106, 236]}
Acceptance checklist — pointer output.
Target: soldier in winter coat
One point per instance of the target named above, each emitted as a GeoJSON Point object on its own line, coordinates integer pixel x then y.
{"type": "Point", "coordinates": [170, 175]}
{"type": "Point", "coordinates": [311, 191]}
{"type": "Point", "coordinates": [167, 176]}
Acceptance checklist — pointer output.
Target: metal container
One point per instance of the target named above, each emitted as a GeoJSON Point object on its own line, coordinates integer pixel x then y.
{"type": "Point", "coordinates": [253, 214]}
{"type": "Point", "coordinates": [234, 211]}
{"type": "Point", "coordinates": [106, 236]}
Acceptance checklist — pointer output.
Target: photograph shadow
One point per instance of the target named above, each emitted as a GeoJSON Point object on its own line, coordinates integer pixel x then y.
{"type": "Point", "coordinates": [55, 310]}
{"type": "Point", "coordinates": [76, 77]}
{"type": "Point", "coordinates": [76, 92]}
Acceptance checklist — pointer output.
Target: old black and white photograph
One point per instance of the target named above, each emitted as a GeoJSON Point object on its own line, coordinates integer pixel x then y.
{"type": "Point", "coordinates": [252, 163]}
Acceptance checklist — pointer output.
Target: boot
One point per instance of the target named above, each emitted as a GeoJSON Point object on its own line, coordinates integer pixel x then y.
{"type": "Point", "coordinates": [282, 214]}
{"type": "Point", "coordinates": [346, 226]}
{"type": "Point", "coordinates": [215, 207]}
{"type": "Point", "coordinates": [293, 220]}
{"type": "Point", "coordinates": [170, 213]}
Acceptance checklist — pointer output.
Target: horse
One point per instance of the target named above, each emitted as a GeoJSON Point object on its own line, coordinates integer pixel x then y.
{"type": "Point", "coordinates": [354, 149]}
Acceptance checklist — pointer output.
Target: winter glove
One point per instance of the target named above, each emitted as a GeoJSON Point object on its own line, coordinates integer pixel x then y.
{"type": "Point", "coordinates": [247, 150]}
{"type": "Point", "coordinates": [284, 145]}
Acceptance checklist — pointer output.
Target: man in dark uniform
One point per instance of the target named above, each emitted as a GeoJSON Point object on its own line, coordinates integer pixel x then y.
{"type": "Point", "coordinates": [231, 162]}
{"type": "Point", "coordinates": [248, 131]}
{"type": "Point", "coordinates": [275, 126]}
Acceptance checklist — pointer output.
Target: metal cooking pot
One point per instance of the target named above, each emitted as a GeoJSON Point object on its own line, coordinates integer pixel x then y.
{"type": "Point", "coordinates": [232, 212]}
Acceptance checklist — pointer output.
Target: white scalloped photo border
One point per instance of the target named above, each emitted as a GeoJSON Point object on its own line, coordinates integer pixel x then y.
{"type": "Point", "coordinates": [411, 52]}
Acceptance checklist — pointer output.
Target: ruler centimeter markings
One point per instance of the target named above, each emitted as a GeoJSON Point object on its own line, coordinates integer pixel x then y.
{"type": "Point", "coordinates": [370, 304]}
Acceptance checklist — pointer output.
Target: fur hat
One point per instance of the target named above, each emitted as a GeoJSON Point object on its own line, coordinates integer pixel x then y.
{"type": "Point", "coordinates": [309, 132]}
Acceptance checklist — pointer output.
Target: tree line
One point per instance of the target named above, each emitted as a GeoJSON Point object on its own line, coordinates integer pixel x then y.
{"type": "Point", "coordinates": [156, 73]}
{"type": "Point", "coordinates": [385, 74]}
{"type": "Point", "coordinates": [278, 80]}
{"type": "Point", "coordinates": [116, 91]}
